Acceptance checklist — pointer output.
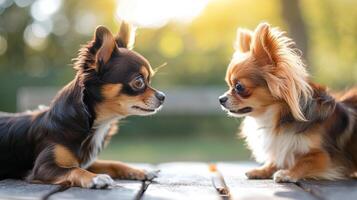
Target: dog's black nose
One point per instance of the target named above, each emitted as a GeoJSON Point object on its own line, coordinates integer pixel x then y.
{"type": "Point", "coordinates": [160, 96]}
{"type": "Point", "coordinates": [223, 99]}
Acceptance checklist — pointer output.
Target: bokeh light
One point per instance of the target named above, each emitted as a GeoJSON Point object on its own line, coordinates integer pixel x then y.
{"type": "Point", "coordinates": [23, 3]}
{"type": "Point", "coordinates": [35, 36]}
{"type": "Point", "coordinates": [6, 3]}
{"type": "Point", "coordinates": [43, 9]}
{"type": "Point", "coordinates": [157, 13]}
{"type": "Point", "coordinates": [171, 44]}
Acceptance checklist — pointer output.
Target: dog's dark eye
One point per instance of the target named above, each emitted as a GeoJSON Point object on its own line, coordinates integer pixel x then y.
{"type": "Point", "coordinates": [139, 83]}
{"type": "Point", "coordinates": [239, 87]}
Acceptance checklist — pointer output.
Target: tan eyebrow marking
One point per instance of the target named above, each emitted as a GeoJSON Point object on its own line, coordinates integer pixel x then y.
{"type": "Point", "coordinates": [145, 72]}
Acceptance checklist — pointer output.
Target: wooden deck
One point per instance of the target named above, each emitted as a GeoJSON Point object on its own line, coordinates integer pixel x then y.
{"type": "Point", "coordinates": [190, 181]}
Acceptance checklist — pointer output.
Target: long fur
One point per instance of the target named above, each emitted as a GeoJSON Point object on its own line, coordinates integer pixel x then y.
{"type": "Point", "coordinates": [60, 144]}
{"type": "Point", "coordinates": [296, 128]}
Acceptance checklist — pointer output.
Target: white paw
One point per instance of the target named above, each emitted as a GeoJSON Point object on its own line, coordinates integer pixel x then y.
{"type": "Point", "coordinates": [152, 174]}
{"type": "Point", "coordinates": [282, 176]}
{"type": "Point", "coordinates": [102, 181]}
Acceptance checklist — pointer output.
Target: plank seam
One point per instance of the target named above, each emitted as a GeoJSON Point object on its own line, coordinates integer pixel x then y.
{"type": "Point", "coordinates": [61, 188]}
{"type": "Point", "coordinates": [310, 191]}
{"type": "Point", "coordinates": [143, 188]}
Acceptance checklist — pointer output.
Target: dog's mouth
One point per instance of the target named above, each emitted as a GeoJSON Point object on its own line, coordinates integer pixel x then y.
{"type": "Point", "coordinates": [143, 109]}
{"type": "Point", "coordinates": [242, 110]}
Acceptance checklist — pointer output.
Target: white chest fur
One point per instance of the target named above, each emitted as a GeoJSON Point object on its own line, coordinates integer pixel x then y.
{"type": "Point", "coordinates": [97, 141]}
{"type": "Point", "coordinates": [267, 146]}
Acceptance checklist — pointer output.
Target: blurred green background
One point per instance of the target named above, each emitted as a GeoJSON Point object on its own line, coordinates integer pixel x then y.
{"type": "Point", "coordinates": [38, 39]}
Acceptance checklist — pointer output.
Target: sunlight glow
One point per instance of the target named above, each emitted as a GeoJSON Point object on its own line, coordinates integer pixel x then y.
{"type": "Point", "coordinates": [43, 9]}
{"type": "Point", "coordinates": [157, 13]}
{"type": "Point", "coordinates": [170, 45]}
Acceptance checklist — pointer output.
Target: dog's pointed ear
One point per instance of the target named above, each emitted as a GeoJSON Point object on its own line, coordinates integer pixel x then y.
{"type": "Point", "coordinates": [264, 46]}
{"type": "Point", "coordinates": [284, 70]}
{"type": "Point", "coordinates": [243, 40]}
{"type": "Point", "coordinates": [104, 40]}
{"type": "Point", "coordinates": [126, 36]}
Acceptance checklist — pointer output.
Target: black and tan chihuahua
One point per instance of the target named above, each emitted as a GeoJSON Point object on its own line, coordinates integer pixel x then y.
{"type": "Point", "coordinates": [60, 144]}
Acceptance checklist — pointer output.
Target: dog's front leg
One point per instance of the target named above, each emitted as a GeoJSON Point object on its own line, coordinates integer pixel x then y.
{"type": "Point", "coordinates": [311, 165]}
{"type": "Point", "coordinates": [58, 165]}
{"type": "Point", "coordinates": [264, 172]}
{"type": "Point", "coordinates": [83, 178]}
{"type": "Point", "coordinates": [72, 177]}
{"type": "Point", "coordinates": [117, 169]}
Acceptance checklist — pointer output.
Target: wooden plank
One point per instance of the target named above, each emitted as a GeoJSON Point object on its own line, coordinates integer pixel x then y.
{"type": "Point", "coordinates": [241, 188]}
{"type": "Point", "coordinates": [18, 189]}
{"type": "Point", "coordinates": [331, 190]}
{"type": "Point", "coordinates": [125, 190]}
{"type": "Point", "coordinates": [182, 181]}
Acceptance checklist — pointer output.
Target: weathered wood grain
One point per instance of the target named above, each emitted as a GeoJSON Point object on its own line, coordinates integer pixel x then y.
{"type": "Point", "coordinates": [189, 181]}
{"type": "Point", "coordinates": [331, 190]}
{"type": "Point", "coordinates": [182, 181]}
{"type": "Point", "coordinates": [126, 190]}
{"type": "Point", "coordinates": [241, 188]}
{"type": "Point", "coordinates": [18, 189]}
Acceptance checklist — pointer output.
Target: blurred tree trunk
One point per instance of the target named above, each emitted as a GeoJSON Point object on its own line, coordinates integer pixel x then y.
{"type": "Point", "coordinates": [291, 12]}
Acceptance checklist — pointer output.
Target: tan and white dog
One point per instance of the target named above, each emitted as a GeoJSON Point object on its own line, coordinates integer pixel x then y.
{"type": "Point", "coordinates": [296, 128]}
